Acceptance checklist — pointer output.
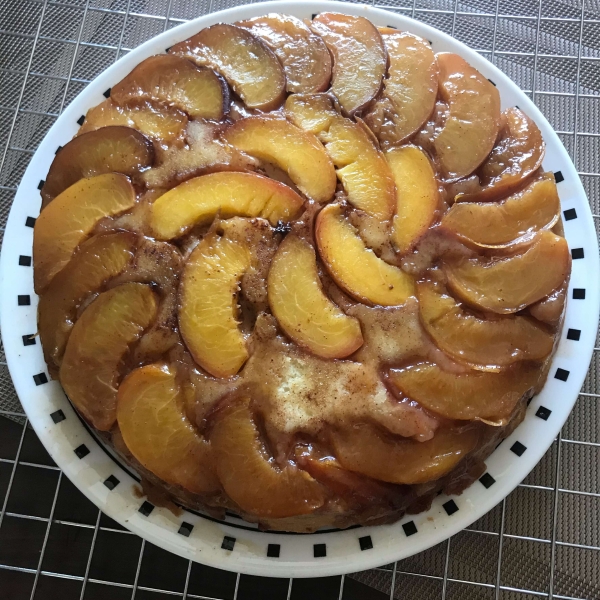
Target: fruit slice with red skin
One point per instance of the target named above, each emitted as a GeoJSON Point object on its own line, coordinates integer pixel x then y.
{"type": "Point", "coordinates": [97, 261]}
{"type": "Point", "coordinates": [508, 285]}
{"type": "Point", "coordinates": [106, 150]}
{"type": "Point", "coordinates": [468, 396]}
{"type": "Point", "coordinates": [100, 340]}
{"type": "Point", "coordinates": [302, 309]}
{"type": "Point", "coordinates": [410, 89]}
{"type": "Point", "coordinates": [174, 81]}
{"type": "Point", "coordinates": [304, 56]}
{"type": "Point", "coordinates": [497, 224]}
{"type": "Point", "coordinates": [367, 450]}
{"type": "Point", "coordinates": [359, 58]}
{"type": "Point", "coordinates": [244, 60]}
{"type": "Point", "coordinates": [297, 152]}
{"type": "Point", "coordinates": [152, 420]}
{"type": "Point", "coordinates": [518, 153]}
{"type": "Point", "coordinates": [71, 217]}
{"type": "Point", "coordinates": [471, 127]}
{"type": "Point", "coordinates": [417, 195]}
{"type": "Point", "coordinates": [249, 476]}
{"type": "Point", "coordinates": [356, 268]}
{"type": "Point", "coordinates": [482, 343]}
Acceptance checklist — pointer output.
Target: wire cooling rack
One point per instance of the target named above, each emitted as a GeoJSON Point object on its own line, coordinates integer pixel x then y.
{"type": "Point", "coordinates": [543, 541]}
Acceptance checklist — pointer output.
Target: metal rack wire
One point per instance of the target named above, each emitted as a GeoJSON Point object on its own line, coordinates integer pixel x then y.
{"type": "Point", "coordinates": [543, 541]}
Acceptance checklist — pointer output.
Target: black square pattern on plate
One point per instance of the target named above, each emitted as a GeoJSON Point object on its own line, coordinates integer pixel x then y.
{"type": "Point", "coordinates": [543, 413]}
{"type": "Point", "coordinates": [24, 261]}
{"type": "Point", "coordinates": [29, 339]}
{"type": "Point", "coordinates": [319, 550]}
{"type": "Point", "coordinates": [23, 300]}
{"type": "Point", "coordinates": [558, 176]}
{"type": "Point", "coordinates": [574, 334]}
{"type": "Point", "coordinates": [111, 482]}
{"type": "Point", "coordinates": [409, 528]}
{"type": "Point", "coordinates": [578, 294]}
{"type": "Point", "coordinates": [30, 222]}
{"type": "Point", "coordinates": [450, 507]}
{"type": "Point", "coordinates": [82, 451]}
{"type": "Point", "coordinates": [40, 379]}
{"type": "Point", "coordinates": [185, 529]}
{"type": "Point", "coordinates": [561, 374]}
{"type": "Point", "coordinates": [81, 120]}
{"type": "Point", "coordinates": [106, 94]}
{"type": "Point", "coordinates": [577, 253]}
{"type": "Point", "coordinates": [228, 543]}
{"type": "Point", "coordinates": [487, 480]}
{"type": "Point", "coordinates": [146, 508]}
{"type": "Point", "coordinates": [273, 550]}
{"type": "Point", "coordinates": [570, 214]}
{"type": "Point", "coordinates": [41, 184]}
{"type": "Point", "coordinates": [518, 448]}
{"type": "Point", "coordinates": [366, 543]}
{"type": "Point", "coordinates": [58, 416]}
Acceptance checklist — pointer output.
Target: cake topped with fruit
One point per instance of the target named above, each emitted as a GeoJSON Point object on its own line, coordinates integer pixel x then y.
{"type": "Point", "coordinates": [307, 272]}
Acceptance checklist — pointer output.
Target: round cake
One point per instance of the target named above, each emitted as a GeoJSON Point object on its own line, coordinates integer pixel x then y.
{"type": "Point", "coordinates": [306, 272]}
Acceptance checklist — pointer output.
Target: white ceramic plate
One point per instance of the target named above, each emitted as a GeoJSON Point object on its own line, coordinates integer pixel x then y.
{"type": "Point", "coordinates": [234, 544]}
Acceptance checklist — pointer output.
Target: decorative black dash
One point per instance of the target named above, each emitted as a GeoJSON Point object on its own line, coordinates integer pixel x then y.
{"type": "Point", "coordinates": [491, 82]}
{"type": "Point", "coordinates": [409, 528]}
{"type": "Point", "coordinates": [319, 550]}
{"type": "Point", "coordinates": [111, 482]}
{"type": "Point", "coordinates": [558, 177]}
{"type": "Point", "coordinates": [561, 374]}
{"type": "Point", "coordinates": [314, 15]}
{"type": "Point", "coordinates": [41, 183]}
{"type": "Point", "coordinates": [228, 543]}
{"type": "Point", "coordinates": [146, 508]}
{"type": "Point", "coordinates": [81, 120]}
{"type": "Point", "coordinates": [81, 451]}
{"type": "Point", "coordinates": [430, 42]}
{"type": "Point", "coordinates": [366, 543]}
{"type": "Point", "coordinates": [273, 550]}
{"type": "Point", "coordinates": [391, 27]}
{"type": "Point", "coordinates": [574, 334]}
{"type": "Point", "coordinates": [23, 300]}
{"type": "Point", "coordinates": [517, 106]}
{"type": "Point", "coordinates": [58, 416]}
{"type": "Point", "coordinates": [106, 94]}
{"type": "Point", "coordinates": [529, 401]}
{"type": "Point", "coordinates": [450, 507]}
{"type": "Point", "coordinates": [29, 339]}
{"type": "Point", "coordinates": [30, 222]}
{"type": "Point", "coordinates": [40, 379]}
{"type": "Point", "coordinates": [58, 149]}
{"type": "Point", "coordinates": [518, 448]}
{"type": "Point", "coordinates": [24, 261]}
{"type": "Point", "coordinates": [487, 481]}
{"type": "Point", "coordinates": [543, 413]}
{"type": "Point", "coordinates": [570, 214]}
{"type": "Point", "coordinates": [577, 253]}
{"type": "Point", "coordinates": [578, 294]}
{"type": "Point", "coordinates": [498, 445]}
{"type": "Point", "coordinates": [167, 50]}
{"type": "Point", "coordinates": [185, 529]}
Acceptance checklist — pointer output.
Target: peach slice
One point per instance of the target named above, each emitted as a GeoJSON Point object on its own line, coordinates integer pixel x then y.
{"type": "Point", "coordinates": [174, 81]}
{"type": "Point", "coordinates": [356, 268]}
{"type": "Point", "coordinates": [297, 152]}
{"type": "Point", "coordinates": [366, 450]}
{"type": "Point", "coordinates": [97, 261]}
{"type": "Point", "coordinates": [410, 89]}
{"type": "Point", "coordinates": [483, 343]}
{"type": "Point", "coordinates": [106, 150]}
{"type": "Point", "coordinates": [70, 218]}
{"type": "Point", "coordinates": [497, 224]}
{"type": "Point", "coordinates": [229, 194]}
{"type": "Point", "coordinates": [359, 58]}
{"type": "Point", "coordinates": [304, 56]}
{"type": "Point", "coordinates": [151, 417]}
{"type": "Point", "coordinates": [249, 476]}
{"type": "Point", "coordinates": [360, 166]}
{"type": "Point", "coordinates": [244, 60]}
{"type": "Point", "coordinates": [471, 127]}
{"type": "Point", "coordinates": [100, 340]}
{"type": "Point", "coordinates": [303, 311]}
{"type": "Point", "coordinates": [510, 284]}
{"type": "Point", "coordinates": [471, 395]}
{"type": "Point", "coordinates": [416, 193]}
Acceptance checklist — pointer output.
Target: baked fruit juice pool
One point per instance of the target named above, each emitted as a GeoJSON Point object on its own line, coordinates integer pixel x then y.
{"type": "Point", "coordinates": [306, 272]}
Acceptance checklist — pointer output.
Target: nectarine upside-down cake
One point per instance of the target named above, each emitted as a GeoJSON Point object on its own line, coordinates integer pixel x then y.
{"type": "Point", "coordinates": [304, 271]}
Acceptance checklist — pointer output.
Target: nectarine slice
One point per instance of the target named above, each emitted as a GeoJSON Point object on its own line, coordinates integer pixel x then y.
{"type": "Point", "coordinates": [100, 340]}
{"type": "Point", "coordinates": [297, 152]}
{"type": "Point", "coordinates": [468, 396]}
{"type": "Point", "coordinates": [107, 150]}
{"type": "Point", "coordinates": [151, 417]}
{"type": "Point", "coordinates": [497, 224]}
{"type": "Point", "coordinates": [249, 476]}
{"type": "Point", "coordinates": [70, 218]}
{"type": "Point", "coordinates": [374, 453]}
{"type": "Point", "coordinates": [198, 201]}
{"type": "Point", "coordinates": [302, 309]}
{"type": "Point", "coordinates": [417, 195]}
{"type": "Point", "coordinates": [359, 58]}
{"type": "Point", "coordinates": [304, 56]}
{"type": "Point", "coordinates": [245, 61]}
{"type": "Point", "coordinates": [356, 268]}
{"type": "Point", "coordinates": [91, 267]}
{"type": "Point", "coordinates": [510, 284]}
{"type": "Point", "coordinates": [486, 344]}
{"type": "Point", "coordinates": [471, 127]}
{"type": "Point", "coordinates": [174, 81]}
{"type": "Point", "coordinates": [409, 91]}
